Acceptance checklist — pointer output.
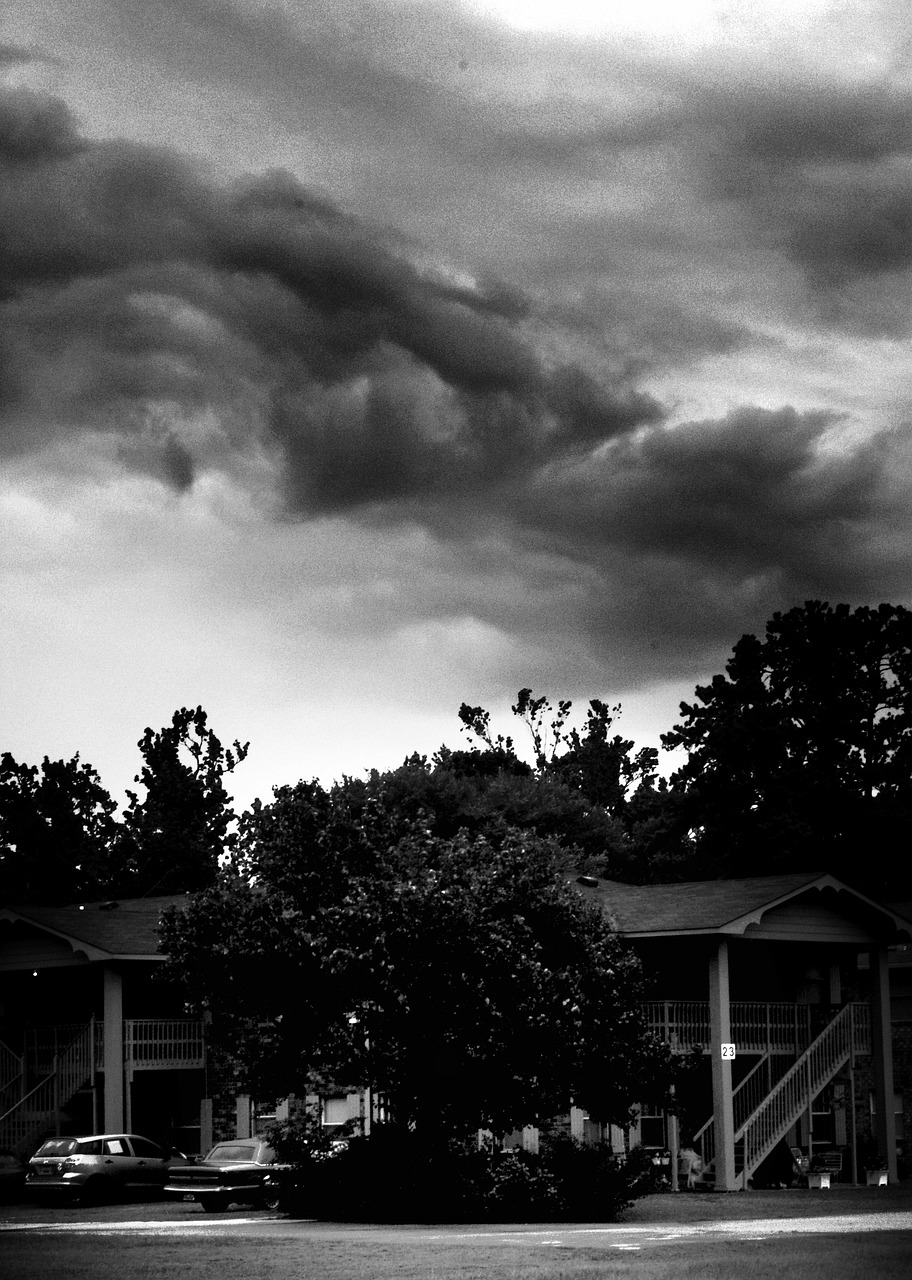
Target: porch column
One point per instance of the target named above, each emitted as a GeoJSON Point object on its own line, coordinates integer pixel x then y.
{"type": "Point", "coordinates": [113, 1057]}
{"type": "Point", "coordinates": [882, 1048]}
{"type": "Point", "coordinates": [720, 1033]}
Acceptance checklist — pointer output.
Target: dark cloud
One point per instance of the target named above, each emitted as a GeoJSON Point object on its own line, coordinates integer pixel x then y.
{"type": "Point", "coordinates": [200, 324]}
{"type": "Point", "coordinates": [131, 280]}
{"type": "Point", "coordinates": [821, 169]}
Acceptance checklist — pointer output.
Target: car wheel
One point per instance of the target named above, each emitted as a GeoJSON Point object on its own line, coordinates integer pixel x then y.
{"type": "Point", "coordinates": [95, 1191]}
{"type": "Point", "coordinates": [215, 1204]}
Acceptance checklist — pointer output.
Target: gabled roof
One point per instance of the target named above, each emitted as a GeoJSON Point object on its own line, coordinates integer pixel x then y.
{"type": "Point", "coordinates": [716, 906]}
{"type": "Point", "coordinates": [122, 930]}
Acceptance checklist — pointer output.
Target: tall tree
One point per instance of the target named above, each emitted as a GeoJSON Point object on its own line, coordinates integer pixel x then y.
{"type": "Point", "coordinates": [598, 794]}
{"type": "Point", "coordinates": [464, 979]}
{"type": "Point", "coordinates": [174, 836]}
{"type": "Point", "coordinates": [800, 755]}
{"type": "Point", "coordinates": [57, 832]}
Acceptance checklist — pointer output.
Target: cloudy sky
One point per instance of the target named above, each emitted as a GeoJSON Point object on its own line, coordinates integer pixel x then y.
{"type": "Point", "coordinates": [363, 357]}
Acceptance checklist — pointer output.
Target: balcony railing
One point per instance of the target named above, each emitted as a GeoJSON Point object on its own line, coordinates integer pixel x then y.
{"type": "Point", "coordinates": [164, 1042]}
{"type": "Point", "coordinates": [756, 1027]}
{"type": "Point", "coordinates": [161, 1043]}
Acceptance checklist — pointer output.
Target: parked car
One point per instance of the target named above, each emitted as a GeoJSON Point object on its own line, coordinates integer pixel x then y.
{"type": "Point", "coordinates": [243, 1171]}
{"type": "Point", "coordinates": [99, 1167]}
{"type": "Point", "coordinates": [12, 1176]}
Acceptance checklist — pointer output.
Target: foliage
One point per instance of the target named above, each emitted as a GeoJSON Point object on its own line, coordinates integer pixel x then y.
{"type": "Point", "coordinates": [464, 979]}
{"type": "Point", "coordinates": [57, 829]}
{"type": "Point", "coordinates": [395, 1174]}
{"type": "Point", "coordinates": [800, 755]}
{"type": "Point", "coordinates": [172, 838]}
{"type": "Point", "coordinates": [589, 788]}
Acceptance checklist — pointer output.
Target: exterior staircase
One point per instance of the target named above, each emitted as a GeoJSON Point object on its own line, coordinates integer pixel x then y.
{"type": "Point", "coordinates": [28, 1120]}
{"type": "Point", "coordinates": [12, 1069]}
{"type": "Point", "coordinates": [766, 1109]}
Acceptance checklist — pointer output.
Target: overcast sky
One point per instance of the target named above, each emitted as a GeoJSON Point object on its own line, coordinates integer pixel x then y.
{"type": "Point", "coordinates": [359, 358]}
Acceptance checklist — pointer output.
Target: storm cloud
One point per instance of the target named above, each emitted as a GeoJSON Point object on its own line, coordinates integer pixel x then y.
{"type": "Point", "coordinates": [490, 305]}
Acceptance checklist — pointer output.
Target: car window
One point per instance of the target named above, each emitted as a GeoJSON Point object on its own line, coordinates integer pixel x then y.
{"type": "Point", "coordinates": [143, 1147]}
{"type": "Point", "coordinates": [266, 1155]}
{"type": "Point", "coordinates": [56, 1147]}
{"type": "Point", "coordinates": [115, 1147]}
{"type": "Point", "coordinates": [91, 1147]}
{"type": "Point", "coordinates": [231, 1151]}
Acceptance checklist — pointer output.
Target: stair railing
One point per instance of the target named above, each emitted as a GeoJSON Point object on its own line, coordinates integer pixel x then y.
{"type": "Point", "coordinates": [28, 1119]}
{"type": "Point", "coordinates": [848, 1032]}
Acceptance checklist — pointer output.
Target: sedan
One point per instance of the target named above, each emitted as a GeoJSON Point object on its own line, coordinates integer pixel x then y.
{"type": "Point", "coordinates": [240, 1172]}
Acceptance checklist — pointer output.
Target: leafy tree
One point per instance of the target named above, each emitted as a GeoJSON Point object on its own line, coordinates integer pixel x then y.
{"type": "Point", "coordinates": [486, 792]}
{"type": "Point", "coordinates": [603, 799]}
{"type": "Point", "coordinates": [57, 832]}
{"type": "Point", "coordinates": [800, 755]}
{"type": "Point", "coordinates": [172, 838]}
{"type": "Point", "coordinates": [462, 978]}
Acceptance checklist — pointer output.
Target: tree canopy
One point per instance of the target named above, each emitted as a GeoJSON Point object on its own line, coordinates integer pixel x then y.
{"type": "Point", "coordinates": [800, 755]}
{"type": "Point", "coordinates": [62, 841]}
{"type": "Point", "coordinates": [462, 978]}
{"type": "Point", "coordinates": [57, 832]}
{"type": "Point", "coordinates": [172, 838]}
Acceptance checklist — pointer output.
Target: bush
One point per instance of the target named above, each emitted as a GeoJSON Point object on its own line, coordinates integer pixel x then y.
{"type": "Point", "coordinates": [394, 1176]}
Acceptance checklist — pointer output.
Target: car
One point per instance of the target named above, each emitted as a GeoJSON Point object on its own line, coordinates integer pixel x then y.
{"type": "Point", "coordinates": [99, 1167]}
{"type": "Point", "coordinates": [242, 1171]}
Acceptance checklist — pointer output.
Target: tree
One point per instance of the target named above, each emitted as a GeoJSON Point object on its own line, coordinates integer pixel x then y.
{"type": "Point", "coordinates": [462, 978]}
{"type": "Point", "coordinates": [800, 755]}
{"type": "Point", "coordinates": [57, 832]}
{"type": "Point", "coordinates": [173, 838]}
{"type": "Point", "coordinates": [589, 788]}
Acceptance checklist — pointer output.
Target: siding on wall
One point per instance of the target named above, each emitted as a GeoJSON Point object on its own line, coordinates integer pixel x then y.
{"type": "Point", "coordinates": [22, 950]}
{"type": "Point", "coordinates": [809, 922]}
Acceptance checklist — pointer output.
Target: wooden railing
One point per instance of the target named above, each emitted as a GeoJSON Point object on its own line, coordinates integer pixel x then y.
{"type": "Point", "coordinates": [756, 1026]}
{"type": "Point", "coordinates": [746, 1098]}
{"type": "Point", "coordinates": [23, 1123]}
{"type": "Point", "coordinates": [164, 1042]}
{"type": "Point", "coordinates": [148, 1042]}
{"type": "Point", "coordinates": [12, 1077]}
{"type": "Point", "coordinates": [848, 1033]}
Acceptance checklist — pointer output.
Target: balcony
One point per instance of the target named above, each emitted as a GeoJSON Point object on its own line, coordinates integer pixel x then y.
{"type": "Point", "coordinates": [756, 1027]}
{"type": "Point", "coordinates": [149, 1044]}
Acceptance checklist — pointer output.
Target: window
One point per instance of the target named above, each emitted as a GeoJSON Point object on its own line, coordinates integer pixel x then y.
{"type": "Point", "coordinates": [115, 1147]}
{"type": "Point", "coordinates": [149, 1150]}
{"type": "Point", "coordinates": [92, 1147]}
{"type": "Point", "coordinates": [652, 1127]}
{"type": "Point", "coordinates": [335, 1111]}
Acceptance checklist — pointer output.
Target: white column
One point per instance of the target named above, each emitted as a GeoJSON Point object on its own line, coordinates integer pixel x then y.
{"type": "Point", "coordinates": [205, 1125]}
{"type": "Point", "coordinates": [242, 1114]}
{"type": "Point", "coordinates": [720, 1033]}
{"type": "Point", "coordinates": [113, 1057]}
{"type": "Point", "coordinates": [577, 1123]}
{"type": "Point", "coordinates": [882, 1046]}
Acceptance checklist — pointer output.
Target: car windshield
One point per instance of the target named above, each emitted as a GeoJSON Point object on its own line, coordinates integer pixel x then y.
{"type": "Point", "coordinates": [57, 1147]}
{"type": "Point", "coordinates": [229, 1151]}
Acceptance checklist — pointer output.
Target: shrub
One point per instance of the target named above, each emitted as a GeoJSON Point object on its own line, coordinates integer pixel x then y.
{"type": "Point", "coordinates": [394, 1176]}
